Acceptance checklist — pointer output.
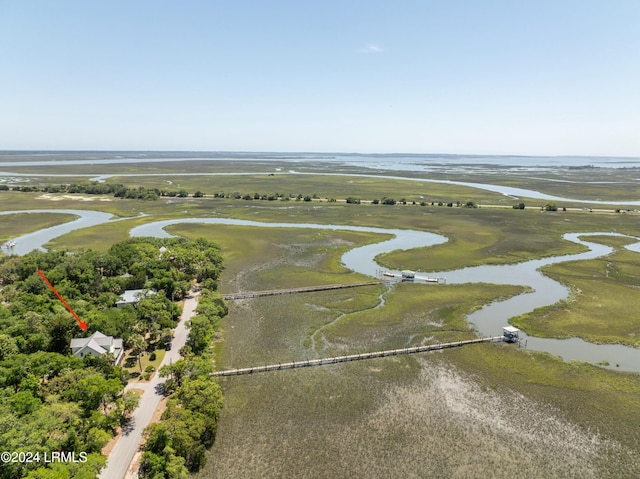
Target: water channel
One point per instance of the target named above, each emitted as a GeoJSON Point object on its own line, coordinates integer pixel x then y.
{"type": "Point", "coordinates": [488, 320]}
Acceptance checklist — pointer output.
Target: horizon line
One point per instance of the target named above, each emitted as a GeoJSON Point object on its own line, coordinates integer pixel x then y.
{"type": "Point", "coordinates": [274, 152]}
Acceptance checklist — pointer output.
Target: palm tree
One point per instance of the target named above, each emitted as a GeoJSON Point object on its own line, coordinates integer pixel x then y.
{"type": "Point", "coordinates": [137, 345]}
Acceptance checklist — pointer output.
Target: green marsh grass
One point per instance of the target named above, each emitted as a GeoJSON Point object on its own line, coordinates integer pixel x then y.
{"type": "Point", "coordinates": [413, 314]}
{"type": "Point", "coordinates": [22, 223]}
{"type": "Point", "coordinates": [604, 306]}
{"type": "Point", "coordinates": [470, 412]}
{"type": "Point", "coordinates": [400, 414]}
{"type": "Point", "coordinates": [280, 258]}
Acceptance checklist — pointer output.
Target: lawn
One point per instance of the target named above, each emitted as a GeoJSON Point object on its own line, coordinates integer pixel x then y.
{"type": "Point", "coordinates": [132, 365]}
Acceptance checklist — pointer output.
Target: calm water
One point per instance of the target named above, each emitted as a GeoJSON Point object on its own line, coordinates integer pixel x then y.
{"type": "Point", "coordinates": [400, 162]}
{"type": "Point", "coordinates": [27, 243]}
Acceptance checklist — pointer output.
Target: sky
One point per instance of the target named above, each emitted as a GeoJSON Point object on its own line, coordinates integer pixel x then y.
{"type": "Point", "coordinates": [544, 77]}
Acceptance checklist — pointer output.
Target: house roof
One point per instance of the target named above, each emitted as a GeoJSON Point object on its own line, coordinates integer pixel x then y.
{"type": "Point", "coordinates": [97, 342]}
{"type": "Point", "coordinates": [131, 296]}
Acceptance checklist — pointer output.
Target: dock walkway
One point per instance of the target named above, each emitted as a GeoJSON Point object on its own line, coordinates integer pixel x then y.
{"type": "Point", "coordinates": [354, 357]}
{"type": "Point", "coordinates": [304, 289]}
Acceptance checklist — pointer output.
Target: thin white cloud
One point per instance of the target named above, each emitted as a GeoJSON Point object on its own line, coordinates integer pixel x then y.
{"type": "Point", "coordinates": [372, 48]}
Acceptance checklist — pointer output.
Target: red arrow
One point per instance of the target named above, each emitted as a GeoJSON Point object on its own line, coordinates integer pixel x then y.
{"type": "Point", "coordinates": [81, 324]}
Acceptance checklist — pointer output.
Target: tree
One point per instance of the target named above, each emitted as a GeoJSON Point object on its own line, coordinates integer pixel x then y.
{"type": "Point", "coordinates": [174, 373]}
{"type": "Point", "coordinates": [96, 439]}
{"type": "Point", "coordinates": [205, 397]}
{"type": "Point", "coordinates": [23, 403]}
{"type": "Point", "coordinates": [55, 402]}
{"type": "Point", "coordinates": [61, 331]}
{"type": "Point", "coordinates": [157, 308]}
{"type": "Point", "coordinates": [166, 335]}
{"type": "Point", "coordinates": [130, 401]}
{"type": "Point", "coordinates": [8, 346]}
{"type": "Point", "coordinates": [200, 334]}
{"type": "Point", "coordinates": [95, 392]}
{"type": "Point", "coordinates": [138, 344]}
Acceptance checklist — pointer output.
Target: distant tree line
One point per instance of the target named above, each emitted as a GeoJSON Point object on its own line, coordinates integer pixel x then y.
{"type": "Point", "coordinates": [121, 191]}
{"type": "Point", "coordinates": [96, 188]}
{"type": "Point", "coordinates": [349, 200]}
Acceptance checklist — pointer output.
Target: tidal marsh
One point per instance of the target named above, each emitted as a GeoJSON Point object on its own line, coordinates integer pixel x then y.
{"type": "Point", "coordinates": [18, 224]}
{"type": "Point", "coordinates": [604, 306]}
{"type": "Point", "coordinates": [452, 414]}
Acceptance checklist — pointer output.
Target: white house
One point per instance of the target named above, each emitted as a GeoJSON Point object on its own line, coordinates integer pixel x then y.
{"type": "Point", "coordinates": [133, 296]}
{"type": "Point", "coordinates": [97, 345]}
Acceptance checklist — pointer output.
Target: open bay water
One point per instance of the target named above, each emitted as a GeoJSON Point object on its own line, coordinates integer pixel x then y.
{"type": "Point", "coordinates": [411, 164]}
{"type": "Point", "coordinates": [488, 320]}
{"type": "Point", "coordinates": [394, 161]}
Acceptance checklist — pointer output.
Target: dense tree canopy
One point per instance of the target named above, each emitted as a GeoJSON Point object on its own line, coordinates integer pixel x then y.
{"type": "Point", "coordinates": [51, 401]}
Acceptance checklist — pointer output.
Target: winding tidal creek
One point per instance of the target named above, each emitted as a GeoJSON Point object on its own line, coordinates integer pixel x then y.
{"type": "Point", "coordinates": [488, 320]}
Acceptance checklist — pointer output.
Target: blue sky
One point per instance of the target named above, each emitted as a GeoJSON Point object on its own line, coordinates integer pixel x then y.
{"type": "Point", "coordinates": [557, 77]}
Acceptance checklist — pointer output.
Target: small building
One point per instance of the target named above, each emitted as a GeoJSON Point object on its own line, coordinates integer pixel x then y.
{"type": "Point", "coordinates": [408, 275]}
{"type": "Point", "coordinates": [511, 334]}
{"type": "Point", "coordinates": [97, 345]}
{"type": "Point", "coordinates": [133, 296]}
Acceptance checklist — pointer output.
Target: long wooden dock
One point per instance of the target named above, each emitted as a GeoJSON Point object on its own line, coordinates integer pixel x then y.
{"type": "Point", "coordinates": [354, 357]}
{"type": "Point", "coordinates": [304, 289]}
